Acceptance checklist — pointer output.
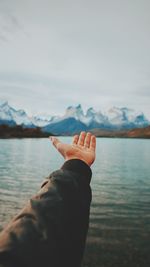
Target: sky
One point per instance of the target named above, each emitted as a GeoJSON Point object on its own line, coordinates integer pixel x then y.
{"type": "Point", "coordinates": [57, 53]}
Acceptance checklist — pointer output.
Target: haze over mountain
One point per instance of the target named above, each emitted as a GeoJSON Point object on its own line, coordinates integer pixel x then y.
{"type": "Point", "coordinates": [75, 120]}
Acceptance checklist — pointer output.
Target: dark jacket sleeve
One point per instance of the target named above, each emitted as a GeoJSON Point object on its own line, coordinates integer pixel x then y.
{"type": "Point", "coordinates": [51, 230]}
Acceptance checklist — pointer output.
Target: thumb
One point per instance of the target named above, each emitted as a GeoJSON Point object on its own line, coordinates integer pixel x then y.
{"type": "Point", "coordinates": [59, 145]}
{"type": "Point", "coordinates": [55, 141]}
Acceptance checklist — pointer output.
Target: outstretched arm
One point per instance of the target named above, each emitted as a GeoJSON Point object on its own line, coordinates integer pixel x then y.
{"type": "Point", "coordinates": [51, 230]}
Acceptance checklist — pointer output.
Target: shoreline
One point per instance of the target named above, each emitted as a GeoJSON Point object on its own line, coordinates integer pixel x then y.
{"type": "Point", "coordinates": [38, 137]}
{"type": "Point", "coordinates": [10, 132]}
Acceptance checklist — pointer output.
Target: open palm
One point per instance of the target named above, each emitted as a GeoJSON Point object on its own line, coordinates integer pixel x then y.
{"type": "Point", "coordinates": [82, 147]}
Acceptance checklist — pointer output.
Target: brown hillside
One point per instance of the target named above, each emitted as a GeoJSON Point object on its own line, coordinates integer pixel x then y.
{"type": "Point", "coordinates": [139, 133]}
{"type": "Point", "coordinates": [134, 133]}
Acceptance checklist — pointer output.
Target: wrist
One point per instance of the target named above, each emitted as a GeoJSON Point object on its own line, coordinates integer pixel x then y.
{"type": "Point", "coordinates": [80, 158]}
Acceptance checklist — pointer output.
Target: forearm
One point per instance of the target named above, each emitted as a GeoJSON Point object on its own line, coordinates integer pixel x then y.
{"type": "Point", "coordinates": [54, 224]}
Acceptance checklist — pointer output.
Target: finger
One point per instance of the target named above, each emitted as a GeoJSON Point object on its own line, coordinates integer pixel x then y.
{"type": "Point", "coordinates": [81, 138]}
{"type": "Point", "coordinates": [75, 139]}
{"type": "Point", "coordinates": [93, 142]}
{"type": "Point", "coordinates": [55, 141]}
{"type": "Point", "coordinates": [87, 140]}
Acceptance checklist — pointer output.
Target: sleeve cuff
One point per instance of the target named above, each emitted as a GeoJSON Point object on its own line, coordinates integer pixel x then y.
{"type": "Point", "coordinates": [78, 166]}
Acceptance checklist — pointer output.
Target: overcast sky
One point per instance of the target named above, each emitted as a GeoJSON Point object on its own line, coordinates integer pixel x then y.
{"type": "Point", "coordinates": [57, 53]}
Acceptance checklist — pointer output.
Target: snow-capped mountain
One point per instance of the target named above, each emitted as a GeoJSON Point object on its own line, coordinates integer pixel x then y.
{"type": "Point", "coordinates": [88, 118]}
{"type": "Point", "coordinates": [74, 119]}
{"type": "Point", "coordinates": [126, 118]}
{"type": "Point", "coordinates": [11, 116]}
{"type": "Point", "coordinates": [43, 119]}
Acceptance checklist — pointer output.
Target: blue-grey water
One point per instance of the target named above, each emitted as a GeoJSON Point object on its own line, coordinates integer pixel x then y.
{"type": "Point", "coordinates": [119, 232]}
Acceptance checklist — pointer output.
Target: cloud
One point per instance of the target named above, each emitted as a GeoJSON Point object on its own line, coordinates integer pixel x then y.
{"type": "Point", "coordinates": [143, 91]}
{"type": "Point", "coordinates": [9, 23]}
{"type": "Point", "coordinates": [3, 38]}
{"type": "Point", "coordinates": [67, 52]}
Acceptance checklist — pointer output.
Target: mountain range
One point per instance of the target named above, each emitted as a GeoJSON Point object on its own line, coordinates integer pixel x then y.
{"type": "Point", "coordinates": [75, 120]}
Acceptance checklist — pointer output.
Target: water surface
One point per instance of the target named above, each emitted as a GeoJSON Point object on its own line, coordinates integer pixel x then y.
{"type": "Point", "coordinates": [119, 232]}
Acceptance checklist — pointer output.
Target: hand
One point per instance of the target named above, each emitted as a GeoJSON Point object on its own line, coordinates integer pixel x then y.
{"type": "Point", "coordinates": [82, 147]}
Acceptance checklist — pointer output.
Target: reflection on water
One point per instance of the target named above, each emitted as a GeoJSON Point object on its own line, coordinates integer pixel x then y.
{"type": "Point", "coordinates": [119, 233]}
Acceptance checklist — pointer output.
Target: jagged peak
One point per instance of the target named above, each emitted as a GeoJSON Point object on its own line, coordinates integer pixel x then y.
{"type": "Point", "coordinates": [74, 110]}
{"type": "Point", "coordinates": [70, 107]}
{"type": "Point", "coordinates": [91, 109]}
{"type": "Point", "coordinates": [3, 103]}
{"type": "Point", "coordinates": [21, 112]}
{"type": "Point", "coordinates": [79, 106]}
{"type": "Point", "coordinates": [90, 112]}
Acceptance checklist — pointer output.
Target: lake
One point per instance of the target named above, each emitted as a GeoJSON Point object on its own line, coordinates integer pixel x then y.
{"type": "Point", "coordinates": [119, 232]}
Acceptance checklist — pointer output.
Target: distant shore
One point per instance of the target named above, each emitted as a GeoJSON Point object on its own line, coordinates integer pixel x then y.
{"type": "Point", "coordinates": [132, 133]}
{"type": "Point", "coordinates": [19, 131]}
